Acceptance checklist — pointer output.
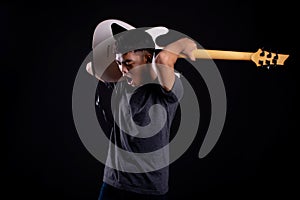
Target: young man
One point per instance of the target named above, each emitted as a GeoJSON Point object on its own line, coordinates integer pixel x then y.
{"type": "Point", "coordinates": [136, 101]}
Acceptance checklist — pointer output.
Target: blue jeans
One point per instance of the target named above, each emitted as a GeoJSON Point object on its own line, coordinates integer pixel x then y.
{"type": "Point", "coordinates": [108, 192]}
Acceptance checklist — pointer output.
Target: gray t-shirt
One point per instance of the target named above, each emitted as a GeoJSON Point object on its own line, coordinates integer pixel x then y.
{"type": "Point", "coordinates": [145, 116]}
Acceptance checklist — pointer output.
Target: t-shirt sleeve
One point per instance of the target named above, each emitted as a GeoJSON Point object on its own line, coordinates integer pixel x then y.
{"type": "Point", "coordinates": [176, 93]}
{"type": "Point", "coordinates": [103, 106]}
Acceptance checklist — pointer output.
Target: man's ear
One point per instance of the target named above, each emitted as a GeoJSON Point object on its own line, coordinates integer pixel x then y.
{"type": "Point", "coordinates": [148, 58]}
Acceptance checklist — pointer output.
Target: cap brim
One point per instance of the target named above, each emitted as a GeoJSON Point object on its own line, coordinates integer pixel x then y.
{"type": "Point", "coordinates": [107, 29]}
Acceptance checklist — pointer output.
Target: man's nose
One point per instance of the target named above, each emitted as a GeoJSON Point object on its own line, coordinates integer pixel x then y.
{"type": "Point", "coordinates": [124, 69]}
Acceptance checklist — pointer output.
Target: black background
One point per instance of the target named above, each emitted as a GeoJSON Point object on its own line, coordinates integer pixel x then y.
{"type": "Point", "coordinates": [43, 45]}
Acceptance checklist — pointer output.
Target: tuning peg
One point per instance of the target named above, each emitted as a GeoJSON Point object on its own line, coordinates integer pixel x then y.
{"type": "Point", "coordinates": [268, 67]}
{"type": "Point", "coordinates": [276, 55]}
{"type": "Point", "coordinates": [263, 52]}
{"type": "Point", "coordinates": [269, 54]}
{"type": "Point", "coordinates": [268, 64]}
{"type": "Point", "coordinates": [274, 60]}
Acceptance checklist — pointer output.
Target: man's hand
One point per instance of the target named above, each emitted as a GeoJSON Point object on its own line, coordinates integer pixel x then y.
{"type": "Point", "coordinates": [184, 46]}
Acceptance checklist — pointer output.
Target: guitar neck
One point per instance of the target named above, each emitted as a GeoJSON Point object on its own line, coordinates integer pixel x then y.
{"type": "Point", "coordinates": [220, 54]}
{"type": "Point", "coordinates": [260, 58]}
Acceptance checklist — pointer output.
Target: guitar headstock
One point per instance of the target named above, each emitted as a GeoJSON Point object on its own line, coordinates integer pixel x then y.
{"type": "Point", "coordinates": [268, 59]}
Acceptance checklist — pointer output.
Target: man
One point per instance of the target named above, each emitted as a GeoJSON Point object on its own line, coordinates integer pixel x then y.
{"type": "Point", "coordinates": [136, 102]}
